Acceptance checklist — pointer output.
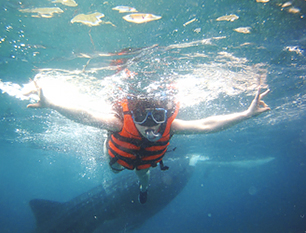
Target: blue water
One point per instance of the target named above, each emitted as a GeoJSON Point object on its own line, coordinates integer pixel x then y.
{"type": "Point", "coordinates": [45, 156]}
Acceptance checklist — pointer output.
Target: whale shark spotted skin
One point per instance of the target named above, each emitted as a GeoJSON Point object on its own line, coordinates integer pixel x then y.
{"type": "Point", "coordinates": [113, 206]}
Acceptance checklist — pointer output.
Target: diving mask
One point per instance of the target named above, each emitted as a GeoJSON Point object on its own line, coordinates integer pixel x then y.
{"type": "Point", "coordinates": [155, 115]}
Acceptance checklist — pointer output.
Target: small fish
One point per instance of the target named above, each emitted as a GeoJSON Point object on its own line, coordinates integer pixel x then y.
{"type": "Point", "coordinates": [197, 30]}
{"type": "Point", "coordinates": [295, 49]}
{"type": "Point", "coordinates": [123, 9]}
{"type": "Point", "coordinates": [244, 30]}
{"type": "Point", "coordinates": [189, 22]}
{"type": "Point", "coordinates": [294, 10]}
{"type": "Point", "coordinates": [286, 4]}
{"type": "Point", "coordinates": [141, 18]}
{"type": "Point", "coordinates": [46, 12]}
{"type": "Point", "coordinates": [93, 19]}
{"type": "Point", "coordinates": [71, 3]}
{"type": "Point", "coordinates": [83, 55]}
{"type": "Point", "coordinates": [231, 18]}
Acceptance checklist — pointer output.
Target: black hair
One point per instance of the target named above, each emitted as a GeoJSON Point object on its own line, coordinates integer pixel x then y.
{"type": "Point", "coordinates": [142, 102]}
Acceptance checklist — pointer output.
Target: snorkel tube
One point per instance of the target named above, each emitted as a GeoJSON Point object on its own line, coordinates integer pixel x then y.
{"type": "Point", "coordinates": [151, 136]}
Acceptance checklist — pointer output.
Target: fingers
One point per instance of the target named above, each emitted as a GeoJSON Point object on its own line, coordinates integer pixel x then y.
{"type": "Point", "coordinates": [40, 92]}
{"type": "Point", "coordinates": [35, 105]}
{"type": "Point", "coordinates": [35, 83]}
{"type": "Point", "coordinates": [257, 95]}
{"type": "Point", "coordinates": [30, 93]}
{"type": "Point", "coordinates": [263, 104]}
{"type": "Point", "coordinates": [35, 89]}
{"type": "Point", "coordinates": [264, 108]}
{"type": "Point", "coordinates": [262, 95]}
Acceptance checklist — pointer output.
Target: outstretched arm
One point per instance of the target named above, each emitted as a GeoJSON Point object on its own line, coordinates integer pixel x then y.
{"type": "Point", "coordinates": [102, 121]}
{"type": "Point", "coordinates": [218, 123]}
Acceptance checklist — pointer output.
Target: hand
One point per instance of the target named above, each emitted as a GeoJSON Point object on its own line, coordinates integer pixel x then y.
{"type": "Point", "coordinates": [43, 102]}
{"type": "Point", "coordinates": [258, 106]}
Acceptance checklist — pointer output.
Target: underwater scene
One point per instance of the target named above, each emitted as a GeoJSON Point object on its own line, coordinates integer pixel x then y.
{"type": "Point", "coordinates": [212, 57]}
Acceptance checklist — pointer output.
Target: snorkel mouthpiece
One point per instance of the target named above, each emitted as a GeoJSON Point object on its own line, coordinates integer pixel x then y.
{"type": "Point", "coordinates": [151, 136]}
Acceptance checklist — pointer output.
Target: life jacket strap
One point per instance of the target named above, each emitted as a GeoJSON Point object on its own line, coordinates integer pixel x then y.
{"type": "Point", "coordinates": [162, 166]}
{"type": "Point", "coordinates": [112, 161]}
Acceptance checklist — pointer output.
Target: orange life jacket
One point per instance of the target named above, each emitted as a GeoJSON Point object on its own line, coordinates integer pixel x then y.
{"type": "Point", "coordinates": [131, 150]}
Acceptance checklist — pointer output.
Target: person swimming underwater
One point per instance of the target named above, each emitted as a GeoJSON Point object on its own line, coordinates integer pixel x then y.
{"type": "Point", "coordinates": [140, 129]}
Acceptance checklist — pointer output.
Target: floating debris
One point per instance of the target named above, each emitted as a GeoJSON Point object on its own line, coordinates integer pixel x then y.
{"type": "Point", "coordinates": [231, 18]}
{"type": "Point", "coordinates": [84, 55]}
{"type": "Point", "coordinates": [263, 1]}
{"type": "Point", "coordinates": [123, 9]}
{"type": "Point", "coordinates": [141, 18]}
{"type": "Point", "coordinates": [197, 30]}
{"type": "Point", "coordinates": [294, 10]}
{"type": "Point", "coordinates": [46, 12]}
{"type": "Point", "coordinates": [295, 49]}
{"type": "Point", "coordinates": [189, 22]}
{"type": "Point", "coordinates": [244, 30]}
{"type": "Point", "coordinates": [71, 3]}
{"type": "Point", "coordinates": [245, 44]}
{"type": "Point", "coordinates": [93, 19]}
{"type": "Point", "coordinates": [286, 4]}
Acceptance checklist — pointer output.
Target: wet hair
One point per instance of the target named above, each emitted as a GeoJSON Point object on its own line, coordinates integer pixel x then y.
{"type": "Point", "coordinates": [152, 101]}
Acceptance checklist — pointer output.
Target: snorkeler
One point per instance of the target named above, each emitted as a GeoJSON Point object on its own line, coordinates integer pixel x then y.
{"type": "Point", "coordinates": [140, 129]}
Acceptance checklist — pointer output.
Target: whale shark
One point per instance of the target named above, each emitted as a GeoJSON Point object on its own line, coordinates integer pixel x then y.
{"type": "Point", "coordinates": [246, 163]}
{"type": "Point", "coordinates": [113, 206]}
